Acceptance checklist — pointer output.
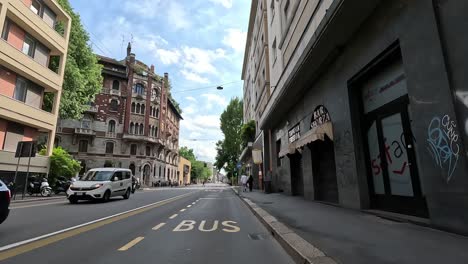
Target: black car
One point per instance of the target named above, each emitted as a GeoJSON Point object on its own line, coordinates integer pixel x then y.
{"type": "Point", "coordinates": [5, 196]}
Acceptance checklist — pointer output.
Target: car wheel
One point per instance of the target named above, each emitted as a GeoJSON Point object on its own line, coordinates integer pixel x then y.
{"type": "Point", "coordinates": [73, 200]}
{"type": "Point", "coordinates": [127, 194]}
{"type": "Point", "coordinates": [106, 196]}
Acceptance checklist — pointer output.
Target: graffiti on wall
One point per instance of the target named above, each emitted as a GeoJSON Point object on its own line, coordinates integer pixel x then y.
{"type": "Point", "coordinates": [443, 142]}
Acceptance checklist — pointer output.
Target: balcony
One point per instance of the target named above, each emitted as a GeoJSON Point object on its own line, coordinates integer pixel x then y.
{"type": "Point", "coordinates": [37, 27]}
{"type": "Point", "coordinates": [139, 138]}
{"type": "Point", "coordinates": [111, 135]}
{"type": "Point", "coordinates": [92, 109]}
{"type": "Point", "coordinates": [22, 64]}
{"type": "Point", "coordinates": [85, 131]}
{"type": "Point", "coordinates": [114, 92]}
{"type": "Point", "coordinates": [8, 162]}
{"type": "Point", "coordinates": [16, 110]}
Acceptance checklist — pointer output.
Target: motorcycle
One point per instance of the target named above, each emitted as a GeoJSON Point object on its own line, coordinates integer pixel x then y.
{"type": "Point", "coordinates": [61, 185]}
{"type": "Point", "coordinates": [135, 184]}
{"type": "Point", "coordinates": [35, 187]}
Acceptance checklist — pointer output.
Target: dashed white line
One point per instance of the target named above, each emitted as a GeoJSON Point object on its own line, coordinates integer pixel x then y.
{"type": "Point", "coordinates": [189, 205]}
{"type": "Point", "coordinates": [182, 210]}
{"type": "Point", "coordinates": [131, 244]}
{"type": "Point", "coordinates": [173, 216]}
{"type": "Point", "coordinates": [158, 226]}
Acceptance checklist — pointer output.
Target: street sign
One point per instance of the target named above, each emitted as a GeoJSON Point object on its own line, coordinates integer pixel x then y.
{"type": "Point", "coordinates": [239, 165]}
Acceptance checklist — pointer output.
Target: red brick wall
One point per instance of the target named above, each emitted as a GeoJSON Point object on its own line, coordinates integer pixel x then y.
{"type": "Point", "coordinates": [16, 36]}
{"type": "Point", "coordinates": [3, 127]}
{"type": "Point", "coordinates": [30, 134]}
{"type": "Point", "coordinates": [7, 82]}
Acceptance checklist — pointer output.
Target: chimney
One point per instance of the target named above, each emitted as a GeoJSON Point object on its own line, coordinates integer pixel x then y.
{"type": "Point", "coordinates": [129, 49]}
{"type": "Point", "coordinates": [152, 68]}
{"type": "Point", "coordinates": [132, 58]}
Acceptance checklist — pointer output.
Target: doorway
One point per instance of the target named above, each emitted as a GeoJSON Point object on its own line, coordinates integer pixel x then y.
{"type": "Point", "coordinates": [146, 175]}
{"type": "Point", "coordinates": [297, 180]}
{"type": "Point", "coordinates": [324, 170]}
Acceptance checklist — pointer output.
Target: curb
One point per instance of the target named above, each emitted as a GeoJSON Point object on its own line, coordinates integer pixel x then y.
{"type": "Point", "coordinates": [38, 199]}
{"type": "Point", "coordinates": [299, 249]}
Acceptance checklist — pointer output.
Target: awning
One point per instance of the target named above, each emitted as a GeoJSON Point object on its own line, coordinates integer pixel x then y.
{"type": "Point", "coordinates": [317, 133]}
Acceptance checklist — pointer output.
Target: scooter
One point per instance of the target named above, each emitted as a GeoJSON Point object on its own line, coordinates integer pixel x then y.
{"type": "Point", "coordinates": [61, 185]}
{"type": "Point", "coordinates": [42, 187]}
{"type": "Point", "coordinates": [135, 184]}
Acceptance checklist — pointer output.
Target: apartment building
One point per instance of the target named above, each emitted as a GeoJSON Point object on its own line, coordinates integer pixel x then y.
{"type": "Point", "coordinates": [183, 175]}
{"type": "Point", "coordinates": [131, 124]}
{"type": "Point", "coordinates": [33, 51]}
{"type": "Point", "coordinates": [369, 106]}
{"type": "Point", "coordinates": [256, 77]}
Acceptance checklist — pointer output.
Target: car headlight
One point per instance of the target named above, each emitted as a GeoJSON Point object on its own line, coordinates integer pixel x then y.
{"type": "Point", "coordinates": [97, 186]}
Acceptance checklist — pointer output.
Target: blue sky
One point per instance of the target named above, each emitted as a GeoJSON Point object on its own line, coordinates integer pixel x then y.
{"type": "Point", "coordinates": [200, 43]}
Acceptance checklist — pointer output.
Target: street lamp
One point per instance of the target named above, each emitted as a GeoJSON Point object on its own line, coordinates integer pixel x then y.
{"type": "Point", "coordinates": [219, 88]}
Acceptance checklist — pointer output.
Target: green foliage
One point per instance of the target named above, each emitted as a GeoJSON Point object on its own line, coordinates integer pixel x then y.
{"type": "Point", "coordinates": [61, 164]}
{"type": "Point", "coordinates": [198, 171]}
{"type": "Point", "coordinates": [82, 79]}
{"type": "Point", "coordinates": [229, 150]}
{"type": "Point", "coordinates": [187, 153]}
{"type": "Point", "coordinates": [248, 132]}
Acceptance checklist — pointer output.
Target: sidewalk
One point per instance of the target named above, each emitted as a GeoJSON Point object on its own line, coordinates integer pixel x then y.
{"type": "Point", "coordinates": [34, 198]}
{"type": "Point", "coordinates": [351, 236]}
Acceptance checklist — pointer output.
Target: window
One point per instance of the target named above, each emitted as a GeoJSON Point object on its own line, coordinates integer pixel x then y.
{"type": "Point", "coordinates": [114, 105]}
{"type": "Point", "coordinates": [109, 148]}
{"type": "Point", "coordinates": [159, 171]}
{"type": "Point", "coordinates": [156, 132]}
{"type": "Point", "coordinates": [13, 135]}
{"type": "Point", "coordinates": [138, 108]}
{"type": "Point", "coordinates": [143, 109]}
{"type": "Point", "coordinates": [20, 90]}
{"type": "Point", "coordinates": [278, 148]}
{"type": "Point", "coordinates": [115, 85]}
{"type": "Point", "coordinates": [139, 88]}
{"type": "Point", "coordinates": [83, 146]}
{"type": "Point", "coordinates": [157, 112]}
{"type": "Point", "coordinates": [133, 107]}
{"type": "Point", "coordinates": [141, 129]}
{"type": "Point", "coordinates": [133, 149]}
{"type": "Point", "coordinates": [86, 123]}
{"type": "Point", "coordinates": [273, 49]}
{"type": "Point", "coordinates": [286, 8]}
{"type": "Point", "coordinates": [28, 46]}
{"type": "Point", "coordinates": [151, 111]}
{"type": "Point", "coordinates": [132, 128]}
{"type": "Point", "coordinates": [35, 7]}
{"type": "Point", "coordinates": [148, 151]}
{"type": "Point", "coordinates": [111, 126]}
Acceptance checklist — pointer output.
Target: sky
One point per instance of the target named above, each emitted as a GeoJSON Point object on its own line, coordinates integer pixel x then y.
{"type": "Point", "coordinates": [200, 43]}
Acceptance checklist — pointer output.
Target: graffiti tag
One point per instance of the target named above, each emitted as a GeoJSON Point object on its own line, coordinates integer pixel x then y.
{"type": "Point", "coordinates": [443, 144]}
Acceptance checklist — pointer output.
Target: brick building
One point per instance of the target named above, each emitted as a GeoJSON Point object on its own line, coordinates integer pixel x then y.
{"type": "Point", "coordinates": [131, 124]}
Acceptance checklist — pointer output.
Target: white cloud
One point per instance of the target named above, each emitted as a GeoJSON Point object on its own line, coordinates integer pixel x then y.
{"type": "Point", "coordinates": [191, 76]}
{"type": "Point", "coordinates": [212, 99]}
{"type": "Point", "coordinates": [235, 39]}
{"type": "Point", "coordinates": [201, 60]}
{"type": "Point", "coordinates": [177, 16]}
{"type": "Point", "coordinates": [188, 110]}
{"type": "Point", "coordinates": [144, 8]}
{"type": "Point", "coordinates": [191, 98]}
{"type": "Point", "coordinates": [168, 56]}
{"type": "Point", "coordinates": [225, 3]}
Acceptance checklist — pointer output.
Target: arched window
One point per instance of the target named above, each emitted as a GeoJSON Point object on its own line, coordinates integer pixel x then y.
{"type": "Point", "coordinates": [114, 105]}
{"type": "Point", "coordinates": [133, 149]}
{"type": "Point", "coordinates": [132, 128]}
{"type": "Point", "coordinates": [151, 111]}
{"type": "Point", "coordinates": [138, 108]}
{"type": "Point", "coordinates": [111, 126]}
{"type": "Point", "coordinates": [109, 148]}
{"type": "Point", "coordinates": [115, 85]}
{"type": "Point", "coordinates": [157, 112]}
{"type": "Point", "coordinates": [139, 88]}
{"type": "Point", "coordinates": [133, 107]}
{"type": "Point", "coordinates": [132, 168]}
{"type": "Point", "coordinates": [141, 129]}
{"type": "Point", "coordinates": [143, 109]}
{"type": "Point", "coordinates": [159, 171]}
{"type": "Point", "coordinates": [148, 151]}
{"type": "Point", "coordinates": [137, 129]}
{"type": "Point", "coordinates": [156, 132]}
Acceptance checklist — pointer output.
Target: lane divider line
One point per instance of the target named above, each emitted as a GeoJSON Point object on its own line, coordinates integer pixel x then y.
{"type": "Point", "coordinates": [189, 205]}
{"type": "Point", "coordinates": [158, 226]}
{"type": "Point", "coordinates": [24, 246]}
{"type": "Point", "coordinates": [173, 216]}
{"type": "Point", "coordinates": [131, 244]}
{"type": "Point", "coordinates": [182, 210]}
{"type": "Point", "coordinates": [194, 203]}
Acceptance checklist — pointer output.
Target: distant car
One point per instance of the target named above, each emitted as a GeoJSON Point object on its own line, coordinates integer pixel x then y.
{"type": "Point", "coordinates": [102, 184]}
{"type": "Point", "coordinates": [5, 197]}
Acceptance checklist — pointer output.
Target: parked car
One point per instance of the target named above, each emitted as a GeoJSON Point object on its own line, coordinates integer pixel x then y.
{"type": "Point", "coordinates": [5, 197]}
{"type": "Point", "coordinates": [102, 184]}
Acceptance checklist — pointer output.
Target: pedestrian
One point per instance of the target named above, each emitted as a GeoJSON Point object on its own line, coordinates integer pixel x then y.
{"type": "Point", "coordinates": [244, 180]}
{"type": "Point", "coordinates": [250, 181]}
{"type": "Point", "coordinates": [203, 183]}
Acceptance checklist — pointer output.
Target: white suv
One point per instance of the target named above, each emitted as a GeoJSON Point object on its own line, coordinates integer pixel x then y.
{"type": "Point", "coordinates": [102, 183]}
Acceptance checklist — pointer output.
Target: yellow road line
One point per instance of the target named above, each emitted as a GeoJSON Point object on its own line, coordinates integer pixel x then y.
{"type": "Point", "coordinates": [182, 210]}
{"type": "Point", "coordinates": [158, 226]}
{"type": "Point", "coordinates": [131, 243]}
{"type": "Point", "coordinates": [173, 216]}
{"type": "Point", "coordinates": [15, 249]}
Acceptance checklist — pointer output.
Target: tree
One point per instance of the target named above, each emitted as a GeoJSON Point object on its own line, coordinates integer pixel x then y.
{"type": "Point", "coordinates": [82, 78]}
{"type": "Point", "coordinates": [187, 153]}
{"type": "Point", "coordinates": [229, 150]}
{"type": "Point", "coordinates": [61, 164]}
{"type": "Point", "coordinates": [248, 132]}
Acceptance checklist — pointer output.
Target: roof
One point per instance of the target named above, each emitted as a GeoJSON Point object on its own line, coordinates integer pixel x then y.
{"type": "Point", "coordinates": [253, 12]}
{"type": "Point", "coordinates": [110, 60]}
{"type": "Point", "coordinates": [174, 109]}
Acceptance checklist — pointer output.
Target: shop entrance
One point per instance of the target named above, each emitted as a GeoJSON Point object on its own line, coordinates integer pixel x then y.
{"type": "Point", "coordinates": [324, 170]}
{"type": "Point", "coordinates": [297, 181]}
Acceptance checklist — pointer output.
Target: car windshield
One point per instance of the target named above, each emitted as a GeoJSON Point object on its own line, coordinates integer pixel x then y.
{"type": "Point", "coordinates": [97, 176]}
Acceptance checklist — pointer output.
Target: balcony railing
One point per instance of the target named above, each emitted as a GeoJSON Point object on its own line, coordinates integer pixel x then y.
{"type": "Point", "coordinates": [85, 131]}
{"type": "Point", "coordinates": [92, 109]}
{"type": "Point", "coordinates": [111, 134]}
{"type": "Point", "coordinates": [114, 92]}
{"type": "Point", "coordinates": [140, 138]}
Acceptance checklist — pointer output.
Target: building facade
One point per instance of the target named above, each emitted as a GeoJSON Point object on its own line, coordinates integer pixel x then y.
{"type": "Point", "coordinates": [131, 124]}
{"type": "Point", "coordinates": [369, 109]}
{"type": "Point", "coordinates": [183, 175]}
{"type": "Point", "coordinates": [33, 53]}
{"type": "Point", "coordinates": [257, 90]}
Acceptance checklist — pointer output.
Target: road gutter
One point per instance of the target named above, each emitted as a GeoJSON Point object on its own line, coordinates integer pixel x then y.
{"type": "Point", "coordinates": [299, 249]}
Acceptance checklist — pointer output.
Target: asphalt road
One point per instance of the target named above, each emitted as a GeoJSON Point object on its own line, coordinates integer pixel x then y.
{"type": "Point", "coordinates": [205, 225]}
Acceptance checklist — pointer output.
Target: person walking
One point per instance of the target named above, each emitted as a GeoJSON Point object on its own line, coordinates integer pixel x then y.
{"type": "Point", "coordinates": [244, 180]}
{"type": "Point", "coordinates": [250, 181]}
